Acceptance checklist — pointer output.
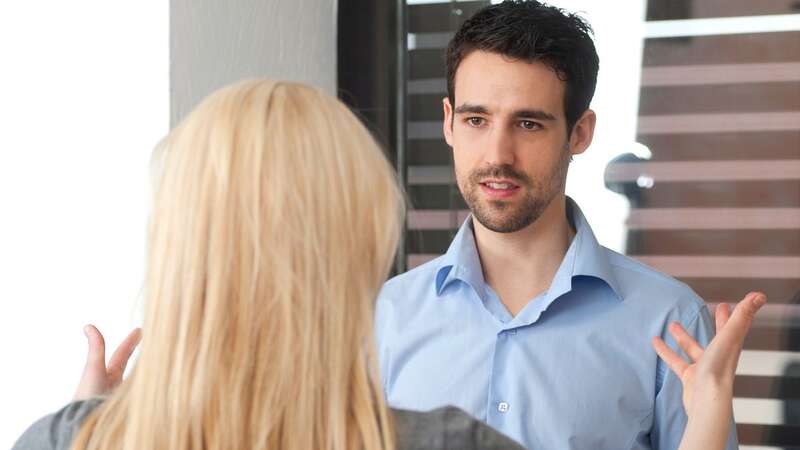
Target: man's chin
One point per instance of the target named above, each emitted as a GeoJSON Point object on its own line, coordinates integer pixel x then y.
{"type": "Point", "coordinates": [502, 223]}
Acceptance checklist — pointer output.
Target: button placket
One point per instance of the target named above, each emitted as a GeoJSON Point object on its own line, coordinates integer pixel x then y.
{"type": "Point", "coordinates": [498, 393]}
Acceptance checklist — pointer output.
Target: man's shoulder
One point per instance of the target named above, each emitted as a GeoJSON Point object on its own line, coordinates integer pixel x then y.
{"type": "Point", "coordinates": [641, 280]}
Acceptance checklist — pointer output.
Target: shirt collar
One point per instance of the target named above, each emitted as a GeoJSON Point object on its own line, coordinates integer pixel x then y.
{"type": "Point", "coordinates": [461, 262]}
{"type": "Point", "coordinates": [584, 257]}
{"type": "Point", "coordinates": [590, 259]}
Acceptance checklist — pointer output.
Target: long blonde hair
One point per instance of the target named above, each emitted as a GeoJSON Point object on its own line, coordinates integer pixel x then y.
{"type": "Point", "coordinates": [275, 220]}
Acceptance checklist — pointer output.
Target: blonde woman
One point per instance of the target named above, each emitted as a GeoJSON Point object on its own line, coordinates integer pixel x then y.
{"type": "Point", "coordinates": [275, 220]}
{"type": "Point", "coordinates": [274, 224]}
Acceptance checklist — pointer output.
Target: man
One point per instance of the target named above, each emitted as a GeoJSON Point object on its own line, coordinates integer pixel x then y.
{"type": "Point", "coordinates": [527, 322]}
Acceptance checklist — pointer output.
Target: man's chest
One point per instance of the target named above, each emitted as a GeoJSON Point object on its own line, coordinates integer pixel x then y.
{"type": "Point", "coordinates": [571, 385]}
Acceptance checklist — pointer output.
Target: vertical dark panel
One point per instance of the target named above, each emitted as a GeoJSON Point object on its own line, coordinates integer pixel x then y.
{"type": "Point", "coordinates": [367, 65]}
{"type": "Point", "coordinates": [371, 74]}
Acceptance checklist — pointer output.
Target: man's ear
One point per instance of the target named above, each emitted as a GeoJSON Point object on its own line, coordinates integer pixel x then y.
{"type": "Point", "coordinates": [582, 133]}
{"type": "Point", "coordinates": [447, 123]}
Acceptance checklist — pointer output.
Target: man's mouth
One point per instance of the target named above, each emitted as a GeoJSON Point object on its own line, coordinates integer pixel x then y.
{"type": "Point", "coordinates": [499, 188]}
{"type": "Point", "coordinates": [499, 185]}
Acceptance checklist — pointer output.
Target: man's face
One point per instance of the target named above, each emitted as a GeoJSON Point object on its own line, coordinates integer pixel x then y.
{"type": "Point", "coordinates": [509, 139]}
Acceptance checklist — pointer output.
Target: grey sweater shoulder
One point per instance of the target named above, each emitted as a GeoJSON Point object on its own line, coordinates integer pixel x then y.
{"type": "Point", "coordinates": [57, 431]}
{"type": "Point", "coordinates": [446, 428]}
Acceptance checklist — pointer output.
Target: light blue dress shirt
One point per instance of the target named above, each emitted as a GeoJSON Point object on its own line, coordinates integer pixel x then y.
{"type": "Point", "coordinates": [573, 370]}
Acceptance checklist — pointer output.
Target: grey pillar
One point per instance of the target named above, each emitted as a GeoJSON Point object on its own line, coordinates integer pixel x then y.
{"type": "Point", "coordinates": [216, 42]}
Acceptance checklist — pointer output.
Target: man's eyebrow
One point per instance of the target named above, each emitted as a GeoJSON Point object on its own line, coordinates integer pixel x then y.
{"type": "Point", "coordinates": [537, 114]}
{"type": "Point", "coordinates": [470, 108]}
{"type": "Point", "coordinates": [534, 114]}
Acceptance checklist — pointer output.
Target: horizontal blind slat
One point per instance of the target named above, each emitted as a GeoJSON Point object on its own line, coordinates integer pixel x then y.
{"type": "Point", "coordinates": [753, 145]}
{"type": "Point", "coordinates": [723, 49]}
{"type": "Point", "coordinates": [725, 266]}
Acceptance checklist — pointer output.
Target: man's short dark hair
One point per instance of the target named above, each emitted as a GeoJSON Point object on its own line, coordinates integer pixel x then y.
{"type": "Point", "coordinates": [532, 31]}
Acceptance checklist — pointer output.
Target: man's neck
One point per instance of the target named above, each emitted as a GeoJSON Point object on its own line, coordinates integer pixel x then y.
{"type": "Point", "coordinates": [521, 265]}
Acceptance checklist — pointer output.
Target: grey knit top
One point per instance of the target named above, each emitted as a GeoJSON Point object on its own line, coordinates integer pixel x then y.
{"type": "Point", "coordinates": [446, 428]}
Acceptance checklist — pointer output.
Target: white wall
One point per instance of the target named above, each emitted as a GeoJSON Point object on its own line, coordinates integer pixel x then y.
{"type": "Point", "coordinates": [619, 37]}
{"type": "Point", "coordinates": [84, 96]}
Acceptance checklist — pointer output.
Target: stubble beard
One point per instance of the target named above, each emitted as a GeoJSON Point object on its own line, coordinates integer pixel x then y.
{"type": "Point", "coordinates": [503, 216]}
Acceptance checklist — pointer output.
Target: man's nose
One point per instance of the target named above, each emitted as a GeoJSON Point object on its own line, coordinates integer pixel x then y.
{"type": "Point", "coordinates": [500, 150]}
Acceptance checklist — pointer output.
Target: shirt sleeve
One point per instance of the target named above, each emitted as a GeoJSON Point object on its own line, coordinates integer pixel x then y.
{"type": "Point", "coordinates": [56, 431]}
{"type": "Point", "coordinates": [669, 417]}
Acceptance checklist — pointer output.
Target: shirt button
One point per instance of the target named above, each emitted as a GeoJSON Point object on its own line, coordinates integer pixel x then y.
{"type": "Point", "coordinates": [502, 407]}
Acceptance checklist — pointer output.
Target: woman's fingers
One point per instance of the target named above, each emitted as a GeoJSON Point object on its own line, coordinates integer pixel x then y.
{"type": "Point", "coordinates": [96, 356]}
{"type": "Point", "coordinates": [672, 359]}
{"type": "Point", "coordinates": [685, 341]}
{"type": "Point", "coordinates": [97, 379]}
{"type": "Point", "coordinates": [93, 381]}
{"type": "Point", "coordinates": [119, 360]}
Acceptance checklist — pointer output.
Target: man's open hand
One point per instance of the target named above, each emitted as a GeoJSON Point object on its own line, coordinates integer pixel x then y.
{"type": "Point", "coordinates": [714, 366]}
{"type": "Point", "coordinates": [99, 379]}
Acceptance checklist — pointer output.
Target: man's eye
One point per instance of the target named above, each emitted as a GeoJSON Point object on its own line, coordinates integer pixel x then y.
{"type": "Point", "coordinates": [475, 121]}
{"type": "Point", "coordinates": [529, 125]}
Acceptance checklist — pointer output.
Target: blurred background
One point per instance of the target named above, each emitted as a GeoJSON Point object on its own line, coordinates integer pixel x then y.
{"type": "Point", "coordinates": [695, 166]}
